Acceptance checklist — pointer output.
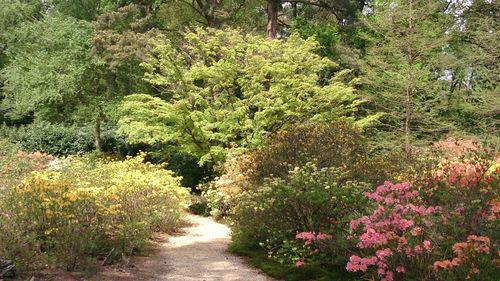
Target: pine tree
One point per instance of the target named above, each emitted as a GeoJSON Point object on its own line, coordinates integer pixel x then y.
{"type": "Point", "coordinates": [472, 94]}
{"type": "Point", "coordinates": [405, 48]}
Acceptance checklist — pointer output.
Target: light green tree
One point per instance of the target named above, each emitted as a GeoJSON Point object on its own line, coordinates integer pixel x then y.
{"type": "Point", "coordinates": [224, 89]}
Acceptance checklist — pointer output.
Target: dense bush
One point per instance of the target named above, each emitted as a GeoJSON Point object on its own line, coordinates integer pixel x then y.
{"type": "Point", "coordinates": [333, 144]}
{"type": "Point", "coordinates": [52, 139]}
{"type": "Point", "coordinates": [86, 207]}
{"type": "Point", "coordinates": [468, 190]}
{"type": "Point", "coordinates": [16, 164]}
{"type": "Point", "coordinates": [308, 199]}
{"type": "Point", "coordinates": [396, 237]}
{"type": "Point", "coordinates": [63, 140]}
{"type": "Point", "coordinates": [324, 144]}
{"type": "Point", "coordinates": [222, 193]}
{"type": "Point", "coordinates": [445, 227]}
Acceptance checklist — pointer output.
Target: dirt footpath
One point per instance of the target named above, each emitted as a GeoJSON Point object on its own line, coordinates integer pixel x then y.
{"type": "Point", "coordinates": [197, 252]}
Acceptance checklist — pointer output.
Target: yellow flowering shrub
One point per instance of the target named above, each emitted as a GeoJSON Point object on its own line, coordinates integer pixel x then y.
{"type": "Point", "coordinates": [92, 206]}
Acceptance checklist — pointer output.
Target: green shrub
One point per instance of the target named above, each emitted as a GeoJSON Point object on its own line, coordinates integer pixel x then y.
{"type": "Point", "coordinates": [65, 139]}
{"type": "Point", "coordinates": [87, 208]}
{"type": "Point", "coordinates": [199, 206]}
{"type": "Point", "coordinates": [334, 144]}
{"type": "Point", "coordinates": [324, 144]}
{"type": "Point", "coordinates": [53, 139]}
{"type": "Point", "coordinates": [308, 199]}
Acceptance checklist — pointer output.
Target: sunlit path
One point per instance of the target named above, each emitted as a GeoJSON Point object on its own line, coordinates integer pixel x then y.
{"type": "Point", "coordinates": [197, 252]}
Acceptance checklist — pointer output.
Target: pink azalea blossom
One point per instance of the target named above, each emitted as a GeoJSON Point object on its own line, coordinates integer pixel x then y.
{"type": "Point", "coordinates": [427, 245]}
{"type": "Point", "coordinates": [389, 276]}
{"type": "Point", "coordinates": [418, 249]}
{"type": "Point", "coordinates": [416, 231]}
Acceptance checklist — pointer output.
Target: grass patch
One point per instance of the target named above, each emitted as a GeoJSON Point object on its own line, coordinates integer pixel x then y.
{"type": "Point", "coordinates": [310, 271]}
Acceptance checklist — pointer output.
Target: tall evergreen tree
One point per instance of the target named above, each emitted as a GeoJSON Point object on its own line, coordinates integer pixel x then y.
{"type": "Point", "coordinates": [473, 91]}
{"type": "Point", "coordinates": [406, 43]}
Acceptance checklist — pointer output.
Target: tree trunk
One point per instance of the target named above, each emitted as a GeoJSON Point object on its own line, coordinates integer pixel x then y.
{"type": "Point", "coordinates": [272, 18]}
{"type": "Point", "coordinates": [409, 85]}
{"type": "Point", "coordinates": [210, 14]}
{"type": "Point", "coordinates": [148, 6]}
{"type": "Point", "coordinates": [98, 146]}
{"type": "Point", "coordinates": [408, 96]}
{"type": "Point", "coordinates": [295, 11]}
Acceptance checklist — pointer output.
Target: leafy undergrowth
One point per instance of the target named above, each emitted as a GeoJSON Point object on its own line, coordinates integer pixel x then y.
{"type": "Point", "coordinates": [81, 209]}
{"type": "Point", "coordinates": [311, 271]}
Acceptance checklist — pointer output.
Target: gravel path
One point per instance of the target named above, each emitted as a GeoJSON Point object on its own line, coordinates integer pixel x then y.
{"type": "Point", "coordinates": [198, 252]}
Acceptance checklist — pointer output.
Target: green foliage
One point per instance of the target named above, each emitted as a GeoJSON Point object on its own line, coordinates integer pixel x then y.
{"type": "Point", "coordinates": [237, 13]}
{"type": "Point", "coordinates": [82, 10]}
{"type": "Point", "coordinates": [120, 39]}
{"type": "Point", "coordinates": [182, 164]}
{"type": "Point", "coordinates": [86, 207]}
{"type": "Point", "coordinates": [89, 10]}
{"type": "Point", "coordinates": [471, 94]}
{"type": "Point", "coordinates": [52, 139]}
{"type": "Point", "coordinates": [312, 271]}
{"type": "Point", "coordinates": [199, 206]}
{"type": "Point", "coordinates": [309, 199]}
{"type": "Point", "coordinates": [223, 89]}
{"type": "Point", "coordinates": [47, 63]}
{"type": "Point", "coordinates": [327, 34]}
{"type": "Point", "coordinates": [64, 140]}
{"type": "Point", "coordinates": [15, 12]}
{"type": "Point", "coordinates": [402, 67]}
{"type": "Point", "coordinates": [53, 75]}
{"type": "Point", "coordinates": [325, 144]}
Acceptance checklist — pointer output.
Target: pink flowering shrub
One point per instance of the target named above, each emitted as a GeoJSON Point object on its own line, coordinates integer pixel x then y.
{"type": "Point", "coordinates": [395, 238]}
{"type": "Point", "coordinates": [310, 237]}
{"type": "Point", "coordinates": [417, 232]}
{"type": "Point", "coordinates": [313, 243]}
{"type": "Point", "coordinates": [470, 258]}
{"type": "Point", "coordinates": [468, 191]}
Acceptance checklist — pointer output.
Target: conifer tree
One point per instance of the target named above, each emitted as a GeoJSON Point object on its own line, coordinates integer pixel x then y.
{"type": "Point", "coordinates": [406, 44]}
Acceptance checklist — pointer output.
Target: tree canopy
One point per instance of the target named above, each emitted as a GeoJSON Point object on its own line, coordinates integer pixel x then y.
{"type": "Point", "coordinates": [415, 71]}
{"type": "Point", "coordinates": [223, 89]}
